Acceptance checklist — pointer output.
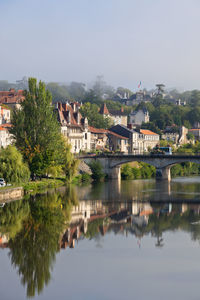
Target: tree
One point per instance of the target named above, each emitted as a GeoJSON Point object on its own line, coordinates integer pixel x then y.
{"type": "Point", "coordinates": [91, 111]}
{"type": "Point", "coordinates": [59, 93]}
{"type": "Point", "coordinates": [70, 163]}
{"type": "Point", "coordinates": [77, 90]}
{"type": "Point", "coordinates": [12, 167]}
{"type": "Point", "coordinates": [36, 131]}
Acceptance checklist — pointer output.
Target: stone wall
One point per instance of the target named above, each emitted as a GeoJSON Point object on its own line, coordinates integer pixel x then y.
{"type": "Point", "coordinates": [11, 194]}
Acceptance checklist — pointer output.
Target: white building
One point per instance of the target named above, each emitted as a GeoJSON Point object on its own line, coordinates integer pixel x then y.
{"type": "Point", "coordinates": [139, 117]}
{"type": "Point", "coordinates": [73, 126]}
{"type": "Point", "coordinates": [4, 114]}
{"type": "Point", "coordinates": [5, 137]}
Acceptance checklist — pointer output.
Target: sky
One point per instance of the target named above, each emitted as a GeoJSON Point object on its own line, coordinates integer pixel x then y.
{"type": "Point", "coordinates": [126, 41]}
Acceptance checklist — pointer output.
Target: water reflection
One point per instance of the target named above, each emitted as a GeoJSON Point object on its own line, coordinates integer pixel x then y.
{"type": "Point", "coordinates": [36, 229]}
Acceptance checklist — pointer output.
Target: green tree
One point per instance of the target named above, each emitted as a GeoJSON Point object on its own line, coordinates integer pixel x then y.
{"type": "Point", "coordinates": [70, 163]}
{"type": "Point", "coordinates": [91, 111]}
{"type": "Point", "coordinates": [12, 167]}
{"type": "Point", "coordinates": [36, 131]}
{"type": "Point", "coordinates": [59, 92]}
{"type": "Point", "coordinates": [97, 171]}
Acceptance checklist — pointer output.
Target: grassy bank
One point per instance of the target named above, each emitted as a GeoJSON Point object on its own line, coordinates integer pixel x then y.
{"type": "Point", "coordinates": [34, 186]}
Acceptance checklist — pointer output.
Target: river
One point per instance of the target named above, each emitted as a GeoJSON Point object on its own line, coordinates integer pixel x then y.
{"type": "Point", "coordinates": [116, 240]}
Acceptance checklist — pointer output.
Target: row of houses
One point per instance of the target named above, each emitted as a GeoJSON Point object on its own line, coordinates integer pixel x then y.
{"type": "Point", "coordinates": [119, 137]}
{"type": "Point", "coordinates": [125, 135]}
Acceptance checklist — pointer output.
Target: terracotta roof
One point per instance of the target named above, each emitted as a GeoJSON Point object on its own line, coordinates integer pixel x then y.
{"type": "Point", "coordinates": [11, 96]}
{"type": "Point", "coordinates": [194, 129]}
{"type": "Point", "coordinates": [6, 125]}
{"type": "Point", "coordinates": [104, 110]}
{"type": "Point", "coordinates": [67, 116]}
{"type": "Point", "coordinates": [97, 130]}
{"type": "Point", "coordinates": [145, 131]}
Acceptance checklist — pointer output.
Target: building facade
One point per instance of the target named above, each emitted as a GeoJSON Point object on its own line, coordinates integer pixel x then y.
{"type": "Point", "coordinates": [117, 116]}
{"type": "Point", "coordinates": [73, 126]}
{"type": "Point", "coordinates": [12, 97]}
{"type": "Point", "coordinates": [139, 117]}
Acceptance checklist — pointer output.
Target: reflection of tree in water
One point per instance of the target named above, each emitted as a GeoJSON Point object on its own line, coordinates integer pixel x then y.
{"type": "Point", "coordinates": [12, 216]}
{"type": "Point", "coordinates": [33, 250]}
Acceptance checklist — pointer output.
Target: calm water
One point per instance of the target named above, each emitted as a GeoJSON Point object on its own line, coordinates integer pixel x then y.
{"type": "Point", "coordinates": [134, 240]}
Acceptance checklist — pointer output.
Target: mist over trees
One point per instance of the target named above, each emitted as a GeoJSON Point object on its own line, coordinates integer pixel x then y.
{"type": "Point", "coordinates": [163, 111]}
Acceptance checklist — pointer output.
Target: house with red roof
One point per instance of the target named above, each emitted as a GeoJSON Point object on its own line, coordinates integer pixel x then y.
{"type": "Point", "coordinates": [73, 126]}
{"type": "Point", "coordinates": [4, 114]}
{"type": "Point", "coordinates": [137, 141]}
{"type": "Point", "coordinates": [103, 139]}
{"type": "Point", "coordinates": [12, 98]}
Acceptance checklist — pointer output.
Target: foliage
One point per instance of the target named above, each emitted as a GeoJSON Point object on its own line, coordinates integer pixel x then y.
{"type": "Point", "coordinates": [36, 130]}
{"type": "Point", "coordinates": [91, 111]}
{"type": "Point", "coordinates": [12, 167]}
{"type": "Point", "coordinates": [143, 171]}
{"type": "Point", "coordinates": [97, 171]}
{"type": "Point", "coordinates": [59, 92]}
{"type": "Point", "coordinates": [70, 164]}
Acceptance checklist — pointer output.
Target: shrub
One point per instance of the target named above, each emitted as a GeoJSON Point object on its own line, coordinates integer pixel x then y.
{"type": "Point", "coordinates": [97, 171]}
{"type": "Point", "coordinates": [12, 167]}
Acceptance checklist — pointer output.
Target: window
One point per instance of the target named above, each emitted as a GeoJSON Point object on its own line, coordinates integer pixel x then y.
{"type": "Point", "coordinates": [86, 136]}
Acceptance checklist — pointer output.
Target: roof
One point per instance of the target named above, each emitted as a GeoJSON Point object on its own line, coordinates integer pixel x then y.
{"type": "Point", "coordinates": [104, 131]}
{"type": "Point", "coordinates": [144, 110]}
{"type": "Point", "coordinates": [117, 112]}
{"type": "Point", "coordinates": [147, 132]}
{"type": "Point", "coordinates": [6, 125]}
{"type": "Point", "coordinates": [117, 135]}
{"type": "Point", "coordinates": [97, 130]}
{"type": "Point", "coordinates": [193, 129]}
{"type": "Point", "coordinates": [67, 116]}
{"type": "Point", "coordinates": [104, 110]}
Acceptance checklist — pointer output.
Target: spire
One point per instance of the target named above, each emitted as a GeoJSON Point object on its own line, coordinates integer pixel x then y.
{"type": "Point", "coordinates": [104, 110]}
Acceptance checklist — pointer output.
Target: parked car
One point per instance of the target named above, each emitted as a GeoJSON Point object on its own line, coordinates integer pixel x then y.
{"type": "Point", "coordinates": [2, 182]}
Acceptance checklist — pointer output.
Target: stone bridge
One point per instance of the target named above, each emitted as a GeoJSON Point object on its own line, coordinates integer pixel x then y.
{"type": "Point", "coordinates": [112, 163]}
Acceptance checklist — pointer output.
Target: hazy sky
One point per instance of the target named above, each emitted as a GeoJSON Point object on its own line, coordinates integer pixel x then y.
{"type": "Point", "coordinates": [124, 40]}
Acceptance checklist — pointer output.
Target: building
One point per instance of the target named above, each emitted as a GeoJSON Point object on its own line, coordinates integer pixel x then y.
{"type": "Point", "coordinates": [138, 117]}
{"type": "Point", "coordinates": [196, 133]}
{"type": "Point", "coordinates": [12, 97]}
{"type": "Point", "coordinates": [134, 140]}
{"type": "Point", "coordinates": [138, 97]}
{"type": "Point", "coordinates": [150, 139]}
{"type": "Point", "coordinates": [5, 136]}
{"type": "Point", "coordinates": [176, 135]}
{"type": "Point", "coordinates": [73, 126]}
{"type": "Point", "coordinates": [138, 141]}
{"type": "Point", "coordinates": [102, 139]}
{"type": "Point", "coordinates": [118, 142]}
{"type": "Point", "coordinates": [99, 138]}
{"type": "Point", "coordinates": [4, 114]}
{"type": "Point", "coordinates": [117, 116]}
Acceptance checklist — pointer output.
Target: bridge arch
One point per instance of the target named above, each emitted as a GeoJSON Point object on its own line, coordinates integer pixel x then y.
{"type": "Point", "coordinates": [162, 163]}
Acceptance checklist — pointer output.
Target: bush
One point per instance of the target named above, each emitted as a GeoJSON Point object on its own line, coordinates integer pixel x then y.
{"type": "Point", "coordinates": [12, 167]}
{"type": "Point", "coordinates": [97, 171]}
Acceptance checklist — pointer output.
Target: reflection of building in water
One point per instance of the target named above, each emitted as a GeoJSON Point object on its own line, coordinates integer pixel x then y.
{"type": "Point", "coordinates": [3, 240]}
{"type": "Point", "coordinates": [184, 208]}
{"type": "Point", "coordinates": [112, 214]}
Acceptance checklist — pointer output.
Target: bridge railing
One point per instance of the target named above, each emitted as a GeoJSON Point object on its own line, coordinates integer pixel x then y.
{"type": "Point", "coordinates": [146, 154]}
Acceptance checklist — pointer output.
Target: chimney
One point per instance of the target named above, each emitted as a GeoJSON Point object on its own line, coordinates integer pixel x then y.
{"type": "Point", "coordinates": [130, 126]}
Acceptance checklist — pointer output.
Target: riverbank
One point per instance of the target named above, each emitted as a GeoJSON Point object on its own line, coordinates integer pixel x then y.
{"type": "Point", "coordinates": [34, 186]}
